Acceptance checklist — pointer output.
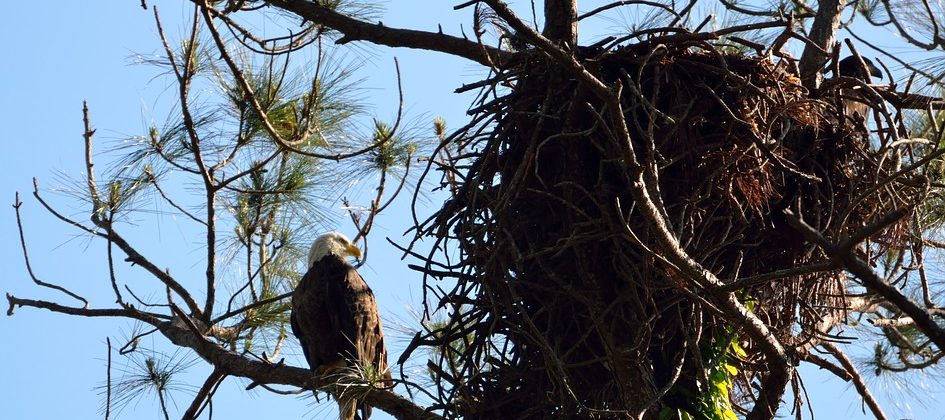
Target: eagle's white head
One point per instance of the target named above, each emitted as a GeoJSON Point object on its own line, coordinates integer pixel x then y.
{"type": "Point", "coordinates": [332, 243]}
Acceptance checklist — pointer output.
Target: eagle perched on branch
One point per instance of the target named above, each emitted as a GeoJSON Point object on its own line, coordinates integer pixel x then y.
{"type": "Point", "coordinates": [335, 318]}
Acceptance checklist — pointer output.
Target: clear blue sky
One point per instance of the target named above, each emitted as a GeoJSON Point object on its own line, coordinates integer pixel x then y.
{"type": "Point", "coordinates": [61, 53]}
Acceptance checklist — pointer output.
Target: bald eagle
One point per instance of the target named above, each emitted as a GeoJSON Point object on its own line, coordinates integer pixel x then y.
{"type": "Point", "coordinates": [855, 103]}
{"type": "Point", "coordinates": [335, 318]}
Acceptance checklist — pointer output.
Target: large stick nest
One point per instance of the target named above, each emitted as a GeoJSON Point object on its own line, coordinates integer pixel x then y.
{"type": "Point", "coordinates": [563, 304]}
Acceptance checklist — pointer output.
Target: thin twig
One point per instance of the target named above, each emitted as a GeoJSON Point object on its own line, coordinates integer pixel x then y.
{"type": "Point", "coordinates": [26, 258]}
{"type": "Point", "coordinates": [108, 379]}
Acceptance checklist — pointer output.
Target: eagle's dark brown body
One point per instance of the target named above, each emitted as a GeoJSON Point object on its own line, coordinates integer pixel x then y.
{"type": "Point", "coordinates": [854, 103]}
{"type": "Point", "coordinates": [335, 318]}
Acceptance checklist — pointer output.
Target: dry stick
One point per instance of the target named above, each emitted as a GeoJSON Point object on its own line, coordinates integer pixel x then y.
{"type": "Point", "coordinates": [108, 380]}
{"type": "Point", "coordinates": [783, 274]}
{"type": "Point", "coordinates": [89, 166]}
{"type": "Point", "coordinates": [261, 164]}
{"type": "Point", "coordinates": [823, 364]}
{"type": "Point", "coordinates": [657, 5]}
{"type": "Point", "coordinates": [674, 376]}
{"type": "Point", "coordinates": [26, 258]}
{"type": "Point", "coordinates": [295, 42]}
{"type": "Point", "coordinates": [251, 306]}
{"type": "Point", "coordinates": [156, 146]}
{"type": "Point", "coordinates": [249, 283]}
{"type": "Point", "coordinates": [132, 343]}
{"type": "Point", "coordinates": [111, 270]}
{"type": "Point", "coordinates": [400, 99]}
{"type": "Point", "coordinates": [376, 207]}
{"type": "Point", "coordinates": [858, 381]}
{"type": "Point", "coordinates": [923, 278]}
{"type": "Point", "coordinates": [58, 215]}
{"type": "Point", "coordinates": [282, 391]}
{"type": "Point", "coordinates": [160, 394]}
{"type": "Point", "coordinates": [209, 401]}
{"type": "Point", "coordinates": [136, 258]}
{"type": "Point", "coordinates": [907, 33]}
{"type": "Point", "coordinates": [145, 317]}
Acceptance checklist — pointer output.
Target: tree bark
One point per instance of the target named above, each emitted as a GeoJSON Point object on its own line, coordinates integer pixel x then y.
{"type": "Point", "coordinates": [561, 22]}
{"type": "Point", "coordinates": [823, 35]}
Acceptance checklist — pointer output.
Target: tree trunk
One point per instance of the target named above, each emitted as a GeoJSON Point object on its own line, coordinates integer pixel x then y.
{"type": "Point", "coordinates": [823, 34]}
{"type": "Point", "coordinates": [561, 22]}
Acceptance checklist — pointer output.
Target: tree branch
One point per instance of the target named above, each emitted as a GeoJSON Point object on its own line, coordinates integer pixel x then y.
{"type": "Point", "coordinates": [26, 257]}
{"type": "Point", "coordinates": [146, 317]}
{"type": "Point", "coordinates": [857, 379]}
{"type": "Point", "coordinates": [266, 373]}
{"type": "Point", "coordinates": [872, 281]}
{"type": "Point", "coordinates": [824, 364]}
{"type": "Point", "coordinates": [357, 30]}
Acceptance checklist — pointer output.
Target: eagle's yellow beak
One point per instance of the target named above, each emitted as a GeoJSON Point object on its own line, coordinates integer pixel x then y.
{"type": "Point", "coordinates": [353, 251]}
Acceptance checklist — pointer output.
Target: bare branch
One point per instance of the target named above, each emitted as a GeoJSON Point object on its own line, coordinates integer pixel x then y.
{"type": "Point", "coordinates": [108, 379]}
{"type": "Point", "coordinates": [357, 30]}
{"type": "Point", "coordinates": [89, 166]}
{"type": "Point", "coordinates": [872, 281]}
{"type": "Point", "coordinates": [157, 186]}
{"type": "Point", "coordinates": [824, 364]}
{"type": "Point", "coordinates": [858, 381]}
{"type": "Point", "coordinates": [263, 302]}
{"type": "Point", "coordinates": [786, 273]}
{"type": "Point", "coordinates": [134, 257]}
{"type": "Point", "coordinates": [147, 317]}
{"type": "Point", "coordinates": [26, 258]}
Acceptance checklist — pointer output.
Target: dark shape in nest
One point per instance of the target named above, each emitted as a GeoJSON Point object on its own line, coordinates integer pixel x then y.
{"type": "Point", "coordinates": [570, 308]}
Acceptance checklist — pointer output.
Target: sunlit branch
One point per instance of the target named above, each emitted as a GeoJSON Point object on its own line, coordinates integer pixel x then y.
{"type": "Point", "coordinates": [147, 317]}
{"type": "Point", "coordinates": [356, 30]}
{"type": "Point", "coordinates": [89, 166]}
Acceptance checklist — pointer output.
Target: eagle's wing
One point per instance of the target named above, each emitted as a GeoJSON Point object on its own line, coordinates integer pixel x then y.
{"type": "Point", "coordinates": [362, 306]}
{"type": "Point", "coordinates": [342, 312]}
{"type": "Point", "coordinates": [297, 332]}
{"type": "Point", "coordinates": [321, 318]}
{"type": "Point", "coordinates": [369, 336]}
